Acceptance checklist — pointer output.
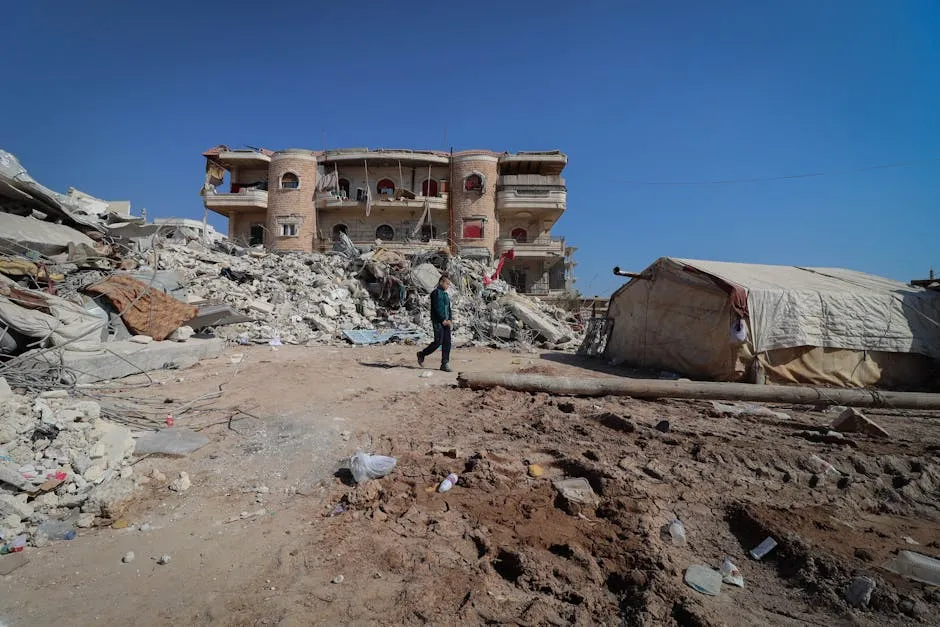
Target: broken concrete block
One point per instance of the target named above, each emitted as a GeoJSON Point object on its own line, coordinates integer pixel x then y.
{"type": "Point", "coordinates": [176, 441]}
{"type": "Point", "coordinates": [261, 306]}
{"type": "Point", "coordinates": [5, 392]}
{"type": "Point", "coordinates": [853, 421]}
{"type": "Point", "coordinates": [141, 339]}
{"type": "Point", "coordinates": [109, 499]}
{"type": "Point", "coordinates": [502, 331]}
{"type": "Point", "coordinates": [426, 276]}
{"type": "Point", "coordinates": [10, 475]}
{"type": "Point", "coordinates": [576, 496]}
{"type": "Point", "coordinates": [181, 334]}
{"type": "Point", "coordinates": [547, 329]}
{"type": "Point", "coordinates": [328, 310]}
{"type": "Point", "coordinates": [15, 506]}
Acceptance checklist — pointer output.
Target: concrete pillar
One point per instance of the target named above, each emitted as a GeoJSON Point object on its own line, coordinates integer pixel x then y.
{"type": "Point", "coordinates": [291, 205]}
{"type": "Point", "coordinates": [472, 204]}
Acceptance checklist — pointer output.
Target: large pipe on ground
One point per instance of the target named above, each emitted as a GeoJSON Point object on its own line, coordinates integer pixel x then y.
{"type": "Point", "coordinates": [655, 388]}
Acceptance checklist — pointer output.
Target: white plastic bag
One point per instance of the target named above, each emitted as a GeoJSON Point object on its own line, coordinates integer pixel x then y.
{"type": "Point", "coordinates": [365, 467]}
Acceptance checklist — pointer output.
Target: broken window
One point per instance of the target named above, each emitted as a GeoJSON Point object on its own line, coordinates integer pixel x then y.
{"type": "Point", "coordinates": [385, 233]}
{"type": "Point", "coordinates": [520, 235]}
{"type": "Point", "coordinates": [338, 230]}
{"type": "Point", "coordinates": [473, 183]}
{"type": "Point", "coordinates": [288, 230]}
{"type": "Point", "coordinates": [289, 180]}
{"type": "Point", "coordinates": [428, 232]}
{"type": "Point", "coordinates": [385, 186]}
{"type": "Point", "coordinates": [429, 187]}
{"type": "Point", "coordinates": [344, 188]}
{"type": "Point", "coordinates": [256, 235]}
{"type": "Point", "coordinates": [473, 229]}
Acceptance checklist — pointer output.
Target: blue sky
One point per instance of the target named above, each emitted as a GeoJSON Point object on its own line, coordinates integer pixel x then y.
{"type": "Point", "coordinates": [119, 99]}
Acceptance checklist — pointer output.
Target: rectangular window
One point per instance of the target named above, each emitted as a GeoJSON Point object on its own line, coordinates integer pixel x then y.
{"type": "Point", "coordinates": [473, 229]}
{"type": "Point", "coordinates": [288, 230]}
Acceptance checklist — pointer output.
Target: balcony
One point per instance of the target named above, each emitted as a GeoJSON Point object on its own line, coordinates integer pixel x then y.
{"type": "Point", "coordinates": [545, 246]}
{"type": "Point", "coordinates": [527, 192]}
{"type": "Point", "coordinates": [243, 201]}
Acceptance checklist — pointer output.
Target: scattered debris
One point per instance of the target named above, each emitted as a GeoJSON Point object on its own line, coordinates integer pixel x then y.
{"type": "Point", "coordinates": [164, 559]}
{"type": "Point", "coordinates": [447, 483]}
{"type": "Point", "coordinates": [576, 496]}
{"type": "Point", "coordinates": [853, 421]}
{"type": "Point", "coordinates": [182, 484]}
{"type": "Point", "coordinates": [365, 467]}
{"type": "Point", "coordinates": [338, 579]}
{"type": "Point", "coordinates": [915, 566]}
{"type": "Point", "coordinates": [859, 590]}
{"type": "Point", "coordinates": [763, 548]}
{"type": "Point", "coordinates": [730, 573]}
{"type": "Point", "coordinates": [703, 579]}
{"type": "Point", "coordinates": [176, 442]}
{"type": "Point", "coordinates": [128, 557]}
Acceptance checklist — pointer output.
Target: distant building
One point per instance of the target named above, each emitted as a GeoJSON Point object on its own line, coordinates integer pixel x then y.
{"type": "Point", "coordinates": [303, 200]}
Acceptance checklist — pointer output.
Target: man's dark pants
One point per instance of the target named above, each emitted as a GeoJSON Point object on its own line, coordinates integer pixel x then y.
{"type": "Point", "coordinates": [442, 341]}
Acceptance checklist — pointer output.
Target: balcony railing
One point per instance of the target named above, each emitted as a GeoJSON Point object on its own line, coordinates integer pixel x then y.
{"type": "Point", "coordinates": [541, 246]}
{"type": "Point", "coordinates": [245, 199]}
{"type": "Point", "coordinates": [383, 201]}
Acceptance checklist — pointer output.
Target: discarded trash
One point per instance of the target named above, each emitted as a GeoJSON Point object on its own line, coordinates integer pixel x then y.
{"type": "Point", "coordinates": [169, 420]}
{"type": "Point", "coordinates": [915, 566]}
{"type": "Point", "coordinates": [763, 548]}
{"type": "Point", "coordinates": [128, 557]}
{"type": "Point", "coordinates": [677, 532]}
{"type": "Point", "coordinates": [365, 467]}
{"type": "Point", "coordinates": [909, 540]}
{"type": "Point", "coordinates": [338, 579]}
{"type": "Point", "coordinates": [176, 442]}
{"type": "Point", "coordinates": [447, 483]}
{"type": "Point", "coordinates": [822, 467]}
{"type": "Point", "coordinates": [536, 471]}
{"type": "Point", "coordinates": [51, 530]}
{"type": "Point", "coordinates": [425, 374]}
{"type": "Point", "coordinates": [338, 510]}
{"type": "Point", "coordinates": [731, 574]}
{"type": "Point", "coordinates": [15, 545]}
{"type": "Point", "coordinates": [703, 579]}
{"type": "Point", "coordinates": [164, 559]}
{"type": "Point", "coordinates": [858, 594]}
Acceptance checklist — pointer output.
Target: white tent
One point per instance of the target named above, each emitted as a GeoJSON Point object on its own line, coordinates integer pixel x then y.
{"type": "Point", "coordinates": [814, 325]}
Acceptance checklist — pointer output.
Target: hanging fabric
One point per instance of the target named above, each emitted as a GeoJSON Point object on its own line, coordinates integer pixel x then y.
{"type": "Point", "coordinates": [365, 165]}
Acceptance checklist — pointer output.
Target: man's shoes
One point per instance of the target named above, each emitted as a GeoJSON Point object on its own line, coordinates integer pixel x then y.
{"type": "Point", "coordinates": [420, 359]}
{"type": "Point", "coordinates": [446, 368]}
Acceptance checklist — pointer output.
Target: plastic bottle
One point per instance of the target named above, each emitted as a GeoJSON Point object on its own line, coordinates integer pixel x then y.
{"type": "Point", "coordinates": [169, 420]}
{"type": "Point", "coordinates": [677, 532]}
{"type": "Point", "coordinates": [447, 483]}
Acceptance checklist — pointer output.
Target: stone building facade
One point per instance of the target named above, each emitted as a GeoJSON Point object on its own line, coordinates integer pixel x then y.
{"type": "Point", "coordinates": [405, 200]}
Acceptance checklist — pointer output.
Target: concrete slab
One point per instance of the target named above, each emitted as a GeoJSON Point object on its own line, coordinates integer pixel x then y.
{"type": "Point", "coordinates": [116, 360]}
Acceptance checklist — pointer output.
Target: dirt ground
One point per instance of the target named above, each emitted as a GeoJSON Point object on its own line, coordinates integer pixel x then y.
{"type": "Point", "coordinates": [273, 532]}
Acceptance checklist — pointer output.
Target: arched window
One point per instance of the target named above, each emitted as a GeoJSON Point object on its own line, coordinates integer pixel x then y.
{"type": "Point", "coordinates": [344, 188]}
{"type": "Point", "coordinates": [520, 235]}
{"type": "Point", "coordinates": [289, 180]}
{"type": "Point", "coordinates": [473, 183]}
{"type": "Point", "coordinates": [385, 186]}
{"type": "Point", "coordinates": [429, 187]}
{"type": "Point", "coordinates": [337, 230]}
{"type": "Point", "coordinates": [385, 233]}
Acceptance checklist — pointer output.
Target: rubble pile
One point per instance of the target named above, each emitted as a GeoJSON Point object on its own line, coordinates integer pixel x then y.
{"type": "Point", "coordinates": [311, 298]}
{"type": "Point", "coordinates": [60, 461]}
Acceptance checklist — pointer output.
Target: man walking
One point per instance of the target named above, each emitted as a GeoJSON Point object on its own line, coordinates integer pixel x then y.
{"type": "Point", "coordinates": [441, 320]}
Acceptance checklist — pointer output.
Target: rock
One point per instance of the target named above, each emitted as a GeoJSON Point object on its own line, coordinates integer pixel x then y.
{"type": "Point", "coordinates": [164, 559]}
{"type": "Point", "coordinates": [116, 441]}
{"type": "Point", "coordinates": [181, 334]}
{"type": "Point", "coordinates": [663, 426]}
{"type": "Point", "coordinates": [85, 521]}
{"type": "Point", "coordinates": [157, 476]}
{"type": "Point", "coordinates": [576, 496]}
{"type": "Point", "coordinates": [566, 407]}
{"type": "Point", "coordinates": [858, 593]}
{"type": "Point", "coordinates": [426, 276]}
{"type": "Point", "coordinates": [536, 470]}
{"type": "Point", "coordinates": [109, 499]}
{"type": "Point", "coordinates": [95, 472]}
{"type": "Point", "coordinates": [338, 579]}
{"type": "Point", "coordinates": [853, 421]}
{"type": "Point", "coordinates": [182, 484]}
{"type": "Point", "coordinates": [49, 500]}
{"type": "Point", "coordinates": [129, 557]}
{"type": "Point", "coordinates": [141, 339]}
{"type": "Point", "coordinates": [328, 311]}
{"type": "Point", "coordinates": [502, 331]}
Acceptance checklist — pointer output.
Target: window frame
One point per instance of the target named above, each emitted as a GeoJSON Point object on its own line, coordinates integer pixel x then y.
{"type": "Point", "coordinates": [296, 180]}
{"type": "Point", "coordinates": [385, 239]}
{"type": "Point", "coordinates": [468, 222]}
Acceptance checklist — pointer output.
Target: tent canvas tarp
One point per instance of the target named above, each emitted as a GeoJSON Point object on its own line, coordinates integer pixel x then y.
{"type": "Point", "coordinates": [815, 325]}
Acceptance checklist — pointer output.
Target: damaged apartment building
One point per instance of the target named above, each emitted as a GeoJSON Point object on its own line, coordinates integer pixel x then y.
{"type": "Point", "coordinates": [477, 204]}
